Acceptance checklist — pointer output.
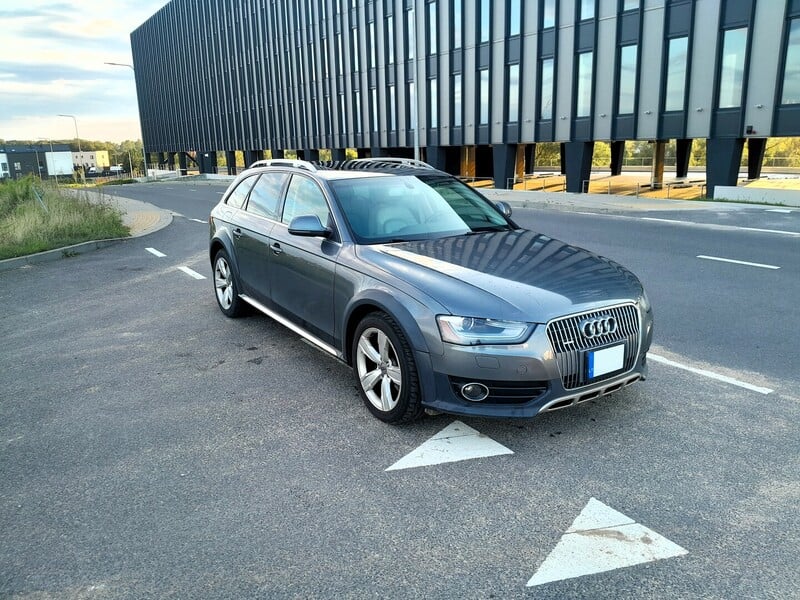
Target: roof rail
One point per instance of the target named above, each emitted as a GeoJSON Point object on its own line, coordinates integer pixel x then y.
{"type": "Point", "coordinates": [409, 162]}
{"type": "Point", "coordinates": [285, 162]}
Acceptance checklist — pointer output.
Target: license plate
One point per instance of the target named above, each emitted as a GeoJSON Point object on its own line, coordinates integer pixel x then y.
{"type": "Point", "coordinates": [607, 360]}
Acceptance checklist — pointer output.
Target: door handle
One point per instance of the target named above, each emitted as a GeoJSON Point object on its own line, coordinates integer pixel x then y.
{"type": "Point", "coordinates": [237, 233]}
{"type": "Point", "coordinates": [276, 248]}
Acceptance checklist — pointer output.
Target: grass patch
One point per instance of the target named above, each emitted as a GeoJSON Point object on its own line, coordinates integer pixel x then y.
{"type": "Point", "coordinates": [116, 182]}
{"type": "Point", "coordinates": [61, 218]}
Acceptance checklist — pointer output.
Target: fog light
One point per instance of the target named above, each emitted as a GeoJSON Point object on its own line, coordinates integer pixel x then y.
{"type": "Point", "coordinates": [474, 392]}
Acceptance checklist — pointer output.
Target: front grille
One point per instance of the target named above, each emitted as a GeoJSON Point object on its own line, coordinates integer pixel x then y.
{"type": "Point", "coordinates": [570, 345]}
{"type": "Point", "coordinates": [503, 392]}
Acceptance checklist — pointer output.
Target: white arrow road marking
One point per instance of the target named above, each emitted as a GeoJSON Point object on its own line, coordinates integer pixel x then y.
{"type": "Point", "coordinates": [191, 273]}
{"type": "Point", "coordinates": [455, 442]}
{"type": "Point", "coordinates": [155, 252]}
{"type": "Point", "coordinates": [602, 539]}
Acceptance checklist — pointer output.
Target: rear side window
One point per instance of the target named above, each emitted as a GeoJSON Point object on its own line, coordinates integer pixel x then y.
{"type": "Point", "coordinates": [304, 198]}
{"type": "Point", "coordinates": [265, 196]}
{"type": "Point", "coordinates": [239, 194]}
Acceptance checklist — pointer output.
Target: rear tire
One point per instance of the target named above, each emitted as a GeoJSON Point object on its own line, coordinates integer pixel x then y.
{"type": "Point", "coordinates": [384, 369]}
{"type": "Point", "coordinates": [226, 287]}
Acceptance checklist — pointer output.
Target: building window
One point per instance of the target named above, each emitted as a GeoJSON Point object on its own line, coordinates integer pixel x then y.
{"type": "Point", "coordinates": [734, 46]}
{"type": "Point", "coordinates": [485, 22]}
{"type": "Point", "coordinates": [357, 116]}
{"type": "Point", "coordinates": [513, 93]}
{"type": "Point", "coordinates": [630, 5]}
{"type": "Point", "coordinates": [432, 24]}
{"type": "Point", "coordinates": [627, 79]}
{"type": "Point", "coordinates": [372, 43]}
{"type": "Point", "coordinates": [548, 14]}
{"type": "Point", "coordinates": [390, 37]}
{"type": "Point", "coordinates": [676, 73]}
{"type": "Point", "coordinates": [514, 17]}
{"type": "Point", "coordinates": [791, 73]}
{"type": "Point", "coordinates": [413, 106]}
{"type": "Point", "coordinates": [457, 104]}
{"type": "Point", "coordinates": [587, 9]}
{"type": "Point", "coordinates": [583, 99]}
{"type": "Point", "coordinates": [374, 92]}
{"type": "Point", "coordinates": [546, 109]}
{"type": "Point", "coordinates": [412, 31]}
{"type": "Point", "coordinates": [433, 103]}
{"type": "Point", "coordinates": [356, 49]}
{"type": "Point", "coordinates": [340, 57]}
{"type": "Point", "coordinates": [456, 23]}
{"type": "Point", "coordinates": [392, 109]}
{"type": "Point", "coordinates": [484, 97]}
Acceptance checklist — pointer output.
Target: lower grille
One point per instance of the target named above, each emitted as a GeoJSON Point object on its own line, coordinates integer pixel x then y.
{"type": "Point", "coordinates": [504, 392]}
{"type": "Point", "coordinates": [570, 345]}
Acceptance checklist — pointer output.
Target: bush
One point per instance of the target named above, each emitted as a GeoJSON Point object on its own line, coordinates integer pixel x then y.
{"type": "Point", "coordinates": [27, 227]}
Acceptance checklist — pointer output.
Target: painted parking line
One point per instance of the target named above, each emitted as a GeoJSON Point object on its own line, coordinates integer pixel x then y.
{"type": "Point", "coordinates": [155, 252]}
{"type": "Point", "coordinates": [737, 262]}
{"type": "Point", "coordinates": [191, 273]}
{"type": "Point", "coordinates": [199, 221]}
{"type": "Point", "coordinates": [710, 374]}
{"type": "Point", "coordinates": [717, 227]}
{"type": "Point", "coordinates": [784, 211]}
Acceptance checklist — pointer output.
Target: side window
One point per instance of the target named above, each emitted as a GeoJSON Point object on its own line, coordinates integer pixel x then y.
{"type": "Point", "coordinates": [239, 195]}
{"type": "Point", "coordinates": [265, 196]}
{"type": "Point", "coordinates": [304, 198]}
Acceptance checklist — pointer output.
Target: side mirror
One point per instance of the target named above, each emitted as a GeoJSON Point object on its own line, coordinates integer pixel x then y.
{"type": "Point", "coordinates": [308, 226]}
{"type": "Point", "coordinates": [504, 208]}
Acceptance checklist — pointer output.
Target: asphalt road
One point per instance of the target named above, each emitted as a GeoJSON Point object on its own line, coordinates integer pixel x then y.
{"type": "Point", "coordinates": [152, 448]}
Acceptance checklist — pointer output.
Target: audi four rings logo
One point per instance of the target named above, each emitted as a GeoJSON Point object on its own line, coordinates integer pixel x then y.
{"type": "Point", "coordinates": [591, 328]}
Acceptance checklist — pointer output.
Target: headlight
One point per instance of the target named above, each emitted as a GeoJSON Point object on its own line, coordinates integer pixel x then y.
{"type": "Point", "coordinates": [644, 301]}
{"type": "Point", "coordinates": [472, 331]}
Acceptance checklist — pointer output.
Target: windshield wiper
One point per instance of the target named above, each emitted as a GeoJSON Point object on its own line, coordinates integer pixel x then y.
{"type": "Point", "coordinates": [490, 228]}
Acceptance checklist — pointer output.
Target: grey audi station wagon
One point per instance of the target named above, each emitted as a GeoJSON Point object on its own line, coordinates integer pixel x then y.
{"type": "Point", "coordinates": [429, 291]}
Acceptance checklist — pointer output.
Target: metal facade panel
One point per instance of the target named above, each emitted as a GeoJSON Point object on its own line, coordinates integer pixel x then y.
{"type": "Point", "coordinates": [764, 69]}
{"type": "Point", "coordinates": [564, 77]}
{"type": "Point", "coordinates": [651, 69]}
{"type": "Point", "coordinates": [605, 75]}
{"type": "Point", "coordinates": [704, 52]}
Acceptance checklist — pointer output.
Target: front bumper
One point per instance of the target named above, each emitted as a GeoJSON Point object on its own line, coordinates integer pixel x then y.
{"type": "Point", "coordinates": [524, 380]}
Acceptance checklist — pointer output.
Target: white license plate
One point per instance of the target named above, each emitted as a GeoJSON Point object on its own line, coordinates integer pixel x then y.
{"type": "Point", "coordinates": [607, 360]}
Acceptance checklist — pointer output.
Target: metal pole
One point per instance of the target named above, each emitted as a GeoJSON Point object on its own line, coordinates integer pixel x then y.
{"type": "Point", "coordinates": [77, 136]}
{"type": "Point", "coordinates": [144, 154]}
{"type": "Point", "coordinates": [415, 100]}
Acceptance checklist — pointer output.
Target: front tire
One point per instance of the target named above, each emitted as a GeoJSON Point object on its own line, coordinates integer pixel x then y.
{"type": "Point", "coordinates": [226, 287]}
{"type": "Point", "coordinates": [384, 368]}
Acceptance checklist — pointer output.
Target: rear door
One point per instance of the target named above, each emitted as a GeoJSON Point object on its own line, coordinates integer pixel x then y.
{"type": "Point", "coordinates": [261, 212]}
{"type": "Point", "coordinates": [302, 269]}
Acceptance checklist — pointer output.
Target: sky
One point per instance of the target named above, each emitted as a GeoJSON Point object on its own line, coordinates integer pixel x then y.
{"type": "Point", "coordinates": [52, 63]}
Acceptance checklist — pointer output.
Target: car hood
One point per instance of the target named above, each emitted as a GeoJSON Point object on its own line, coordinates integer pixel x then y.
{"type": "Point", "coordinates": [516, 274]}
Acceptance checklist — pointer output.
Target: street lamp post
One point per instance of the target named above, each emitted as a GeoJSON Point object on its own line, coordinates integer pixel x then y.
{"type": "Point", "coordinates": [144, 154]}
{"type": "Point", "coordinates": [78, 137]}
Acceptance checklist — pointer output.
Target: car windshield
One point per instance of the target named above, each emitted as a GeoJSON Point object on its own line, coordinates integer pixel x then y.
{"type": "Point", "coordinates": [413, 207]}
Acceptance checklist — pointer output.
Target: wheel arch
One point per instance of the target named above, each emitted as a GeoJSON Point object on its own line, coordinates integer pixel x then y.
{"type": "Point", "coordinates": [222, 241]}
{"type": "Point", "coordinates": [382, 301]}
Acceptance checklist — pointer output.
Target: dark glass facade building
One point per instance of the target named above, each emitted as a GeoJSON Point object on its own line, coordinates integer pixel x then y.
{"type": "Point", "coordinates": [482, 81]}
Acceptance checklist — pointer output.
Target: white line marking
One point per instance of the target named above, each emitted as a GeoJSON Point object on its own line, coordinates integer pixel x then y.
{"type": "Point", "coordinates": [709, 374]}
{"type": "Point", "coordinates": [737, 262]}
{"type": "Point", "coordinates": [199, 221]}
{"type": "Point", "coordinates": [716, 227]}
{"type": "Point", "coordinates": [602, 539]}
{"type": "Point", "coordinates": [155, 252]}
{"type": "Point", "coordinates": [191, 273]}
{"type": "Point", "coordinates": [780, 210]}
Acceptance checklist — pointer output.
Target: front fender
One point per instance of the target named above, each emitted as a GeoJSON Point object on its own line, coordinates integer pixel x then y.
{"type": "Point", "coordinates": [414, 318]}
